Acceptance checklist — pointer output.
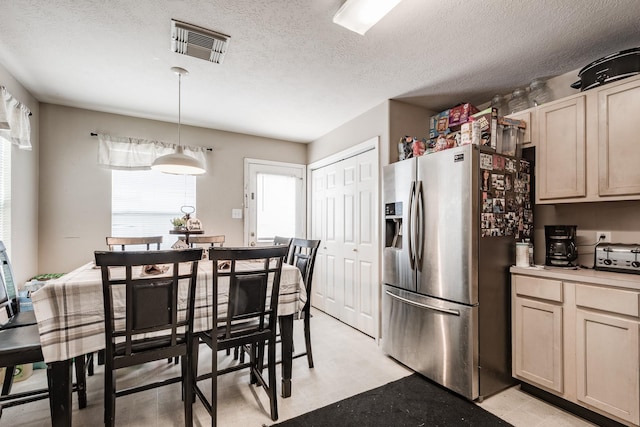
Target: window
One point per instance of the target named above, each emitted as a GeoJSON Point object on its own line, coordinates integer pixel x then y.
{"type": "Point", "coordinates": [144, 202]}
{"type": "Point", "coordinates": [5, 193]}
{"type": "Point", "coordinates": [276, 206]}
{"type": "Point", "coordinates": [275, 201]}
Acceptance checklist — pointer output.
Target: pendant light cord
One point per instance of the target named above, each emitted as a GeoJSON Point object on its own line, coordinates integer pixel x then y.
{"type": "Point", "coordinates": [179, 106]}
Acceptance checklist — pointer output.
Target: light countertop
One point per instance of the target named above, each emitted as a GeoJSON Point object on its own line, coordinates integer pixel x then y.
{"type": "Point", "coordinates": [583, 275]}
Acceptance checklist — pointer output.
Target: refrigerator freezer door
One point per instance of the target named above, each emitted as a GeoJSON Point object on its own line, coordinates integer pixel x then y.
{"type": "Point", "coordinates": [398, 252]}
{"type": "Point", "coordinates": [450, 192]}
{"type": "Point", "coordinates": [433, 337]}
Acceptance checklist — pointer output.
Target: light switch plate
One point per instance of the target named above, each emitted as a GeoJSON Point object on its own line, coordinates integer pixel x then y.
{"type": "Point", "coordinates": [236, 213]}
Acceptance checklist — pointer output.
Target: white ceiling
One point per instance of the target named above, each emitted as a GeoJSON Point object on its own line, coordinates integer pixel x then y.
{"type": "Point", "coordinates": [289, 72]}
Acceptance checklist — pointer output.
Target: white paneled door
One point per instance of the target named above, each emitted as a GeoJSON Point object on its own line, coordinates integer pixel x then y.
{"type": "Point", "coordinates": [345, 217]}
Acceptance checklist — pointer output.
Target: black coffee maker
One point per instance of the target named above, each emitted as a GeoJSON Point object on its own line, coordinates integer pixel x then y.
{"type": "Point", "coordinates": [561, 245]}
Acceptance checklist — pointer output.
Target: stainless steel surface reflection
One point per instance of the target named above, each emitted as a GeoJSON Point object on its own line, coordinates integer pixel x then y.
{"type": "Point", "coordinates": [434, 337]}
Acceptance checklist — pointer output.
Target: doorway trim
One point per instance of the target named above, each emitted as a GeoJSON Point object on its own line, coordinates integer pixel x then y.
{"type": "Point", "coordinates": [251, 161]}
{"type": "Point", "coordinates": [367, 145]}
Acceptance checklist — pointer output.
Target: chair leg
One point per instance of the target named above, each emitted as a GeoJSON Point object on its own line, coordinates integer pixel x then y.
{"type": "Point", "coordinates": [81, 381]}
{"type": "Point", "coordinates": [187, 389]}
{"type": "Point", "coordinates": [195, 346]}
{"type": "Point", "coordinates": [273, 395]}
{"type": "Point", "coordinates": [8, 380]}
{"type": "Point", "coordinates": [90, 364]}
{"type": "Point", "coordinates": [109, 397]}
{"type": "Point", "coordinates": [307, 338]}
{"type": "Point", "coordinates": [253, 364]}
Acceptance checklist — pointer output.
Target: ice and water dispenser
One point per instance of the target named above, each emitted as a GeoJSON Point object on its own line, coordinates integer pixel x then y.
{"type": "Point", "coordinates": [393, 225]}
{"type": "Point", "coordinates": [393, 253]}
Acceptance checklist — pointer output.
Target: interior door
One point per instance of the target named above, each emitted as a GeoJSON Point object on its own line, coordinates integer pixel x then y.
{"type": "Point", "coordinates": [274, 201]}
{"type": "Point", "coordinates": [344, 216]}
{"type": "Point", "coordinates": [331, 242]}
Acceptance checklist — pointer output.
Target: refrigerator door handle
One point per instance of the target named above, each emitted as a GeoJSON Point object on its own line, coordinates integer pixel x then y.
{"type": "Point", "coordinates": [428, 307]}
{"type": "Point", "coordinates": [420, 220]}
{"type": "Point", "coordinates": [412, 195]}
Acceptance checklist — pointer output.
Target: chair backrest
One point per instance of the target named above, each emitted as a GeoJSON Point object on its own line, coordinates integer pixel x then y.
{"type": "Point", "coordinates": [211, 240]}
{"type": "Point", "coordinates": [303, 256]}
{"type": "Point", "coordinates": [279, 240]}
{"type": "Point", "coordinates": [114, 242]}
{"type": "Point", "coordinates": [250, 272]}
{"type": "Point", "coordinates": [136, 303]}
{"type": "Point", "coordinates": [7, 284]}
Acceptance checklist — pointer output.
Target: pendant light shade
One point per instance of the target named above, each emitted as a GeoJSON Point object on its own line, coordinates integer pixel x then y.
{"type": "Point", "coordinates": [178, 163]}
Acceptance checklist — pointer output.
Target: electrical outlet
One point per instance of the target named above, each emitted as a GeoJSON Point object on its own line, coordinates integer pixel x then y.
{"type": "Point", "coordinates": [603, 236]}
{"type": "Point", "coordinates": [236, 213]}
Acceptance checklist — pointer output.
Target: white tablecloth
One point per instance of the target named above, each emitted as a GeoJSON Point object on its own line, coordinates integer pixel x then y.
{"type": "Point", "coordinates": [70, 310]}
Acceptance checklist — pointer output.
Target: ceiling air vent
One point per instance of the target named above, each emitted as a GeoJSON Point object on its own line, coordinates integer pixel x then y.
{"type": "Point", "coordinates": [198, 42]}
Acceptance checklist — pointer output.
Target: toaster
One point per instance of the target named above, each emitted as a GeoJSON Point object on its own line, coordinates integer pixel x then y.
{"type": "Point", "coordinates": [620, 257]}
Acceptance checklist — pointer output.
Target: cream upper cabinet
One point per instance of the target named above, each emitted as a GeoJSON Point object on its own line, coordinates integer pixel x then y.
{"type": "Point", "coordinates": [587, 149]}
{"type": "Point", "coordinates": [561, 150]}
{"type": "Point", "coordinates": [618, 139]}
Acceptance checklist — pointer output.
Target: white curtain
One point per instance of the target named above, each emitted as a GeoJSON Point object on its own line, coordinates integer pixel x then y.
{"type": "Point", "coordinates": [116, 152]}
{"type": "Point", "coordinates": [15, 126]}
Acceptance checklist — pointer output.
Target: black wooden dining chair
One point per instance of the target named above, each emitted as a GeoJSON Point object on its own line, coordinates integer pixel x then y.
{"type": "Point", "coordinates": [280, 240]}
{"type": "Point", "coordinates": [303, 255]}
{"type": "Point", "coordinates": [204, 240]}
{"type": "Point", "coordinates": [20, 345]}
{"type": "Point", "coordinates": [123, 242]}
{"type": "Point", "coordinates": [8, 296]}
{"type": "Point", "coordinates": [253, 279]}
{"type": "Point", "coordinates": [143, 319]}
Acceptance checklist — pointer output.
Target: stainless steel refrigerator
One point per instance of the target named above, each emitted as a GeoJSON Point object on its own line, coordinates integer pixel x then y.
{"type": "Point", "coordinates": [451, 220]}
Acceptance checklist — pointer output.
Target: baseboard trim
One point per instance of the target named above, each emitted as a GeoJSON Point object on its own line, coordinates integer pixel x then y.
{"type": "Point", "coordinates": [576, 409]}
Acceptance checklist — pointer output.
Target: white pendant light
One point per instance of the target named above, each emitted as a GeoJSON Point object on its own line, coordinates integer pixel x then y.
{"type": "Point", "coordinates": [360, 15]}
{"type": "Point", "coordinates": [178, 163]}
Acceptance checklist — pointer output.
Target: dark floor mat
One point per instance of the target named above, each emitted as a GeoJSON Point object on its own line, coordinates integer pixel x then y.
{"type": "Point", "coordinates": [410, 401]}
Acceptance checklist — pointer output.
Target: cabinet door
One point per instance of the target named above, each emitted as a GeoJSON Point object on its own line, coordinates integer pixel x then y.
{"type": "Point", "coordinates": [560, 156]}
{"type": "Point", "coordinates": [608, 364]}
{"type": "Point", "coordinates": [529, 117]}
{"type": "Point", "coordinates": [618, 130]}
{"type": "Point", "coordinates": [537, 343]}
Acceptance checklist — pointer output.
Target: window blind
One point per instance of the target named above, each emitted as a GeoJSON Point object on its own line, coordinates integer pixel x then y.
{"type": "Point", "coordinates": [5, 193]}
{"type": "Point", "coordinates": [144, 201]}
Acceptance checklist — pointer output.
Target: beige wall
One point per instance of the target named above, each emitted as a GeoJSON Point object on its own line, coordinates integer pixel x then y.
{"type": "Point", "coordinates": [24, 190]}
{"type": "Point", "coordinates": [621, 218]}
{"type": "Point", "coordinates": [75, 193]}
{"type": "Point", "coordinates": [406, 119]}
{"type": "Point", "coordinates": [372, 123]}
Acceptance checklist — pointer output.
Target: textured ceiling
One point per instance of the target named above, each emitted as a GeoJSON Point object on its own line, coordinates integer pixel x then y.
{"type": "Point", "coordinates": [289, 72]}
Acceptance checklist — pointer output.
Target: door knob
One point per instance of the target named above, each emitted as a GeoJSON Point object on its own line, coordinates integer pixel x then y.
{"type": "Point", "coordinates": [252, 244]}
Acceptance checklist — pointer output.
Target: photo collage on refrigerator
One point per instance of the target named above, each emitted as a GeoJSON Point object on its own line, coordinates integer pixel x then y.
{"type": "Point", "coordinates": [506, 197]}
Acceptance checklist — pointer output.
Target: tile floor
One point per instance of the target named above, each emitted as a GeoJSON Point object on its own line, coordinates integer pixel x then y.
{"type": "Point", "coordinates": [346, 363]}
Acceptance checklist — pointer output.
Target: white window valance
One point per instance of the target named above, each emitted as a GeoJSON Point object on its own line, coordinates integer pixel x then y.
{"type": "Point", "coordinates": [15, 126]}
{"type": "Point", "coordinates": [118, 152]}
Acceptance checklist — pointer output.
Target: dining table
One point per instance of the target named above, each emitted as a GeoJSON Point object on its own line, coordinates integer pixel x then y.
{"type": "Point", "coordinates": [70, 315]}
{"type": "Point", "coordinates": [186, 233]}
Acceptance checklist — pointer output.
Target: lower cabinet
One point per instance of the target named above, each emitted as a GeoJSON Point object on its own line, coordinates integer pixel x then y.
{"type": "Point", "coordinates": [537, 354]}
{"type": "Point", "coordinates": [580, 342]}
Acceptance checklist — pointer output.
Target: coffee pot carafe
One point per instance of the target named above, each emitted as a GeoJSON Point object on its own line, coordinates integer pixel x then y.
{"type": "Point", "coordinates": [560, 245]}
